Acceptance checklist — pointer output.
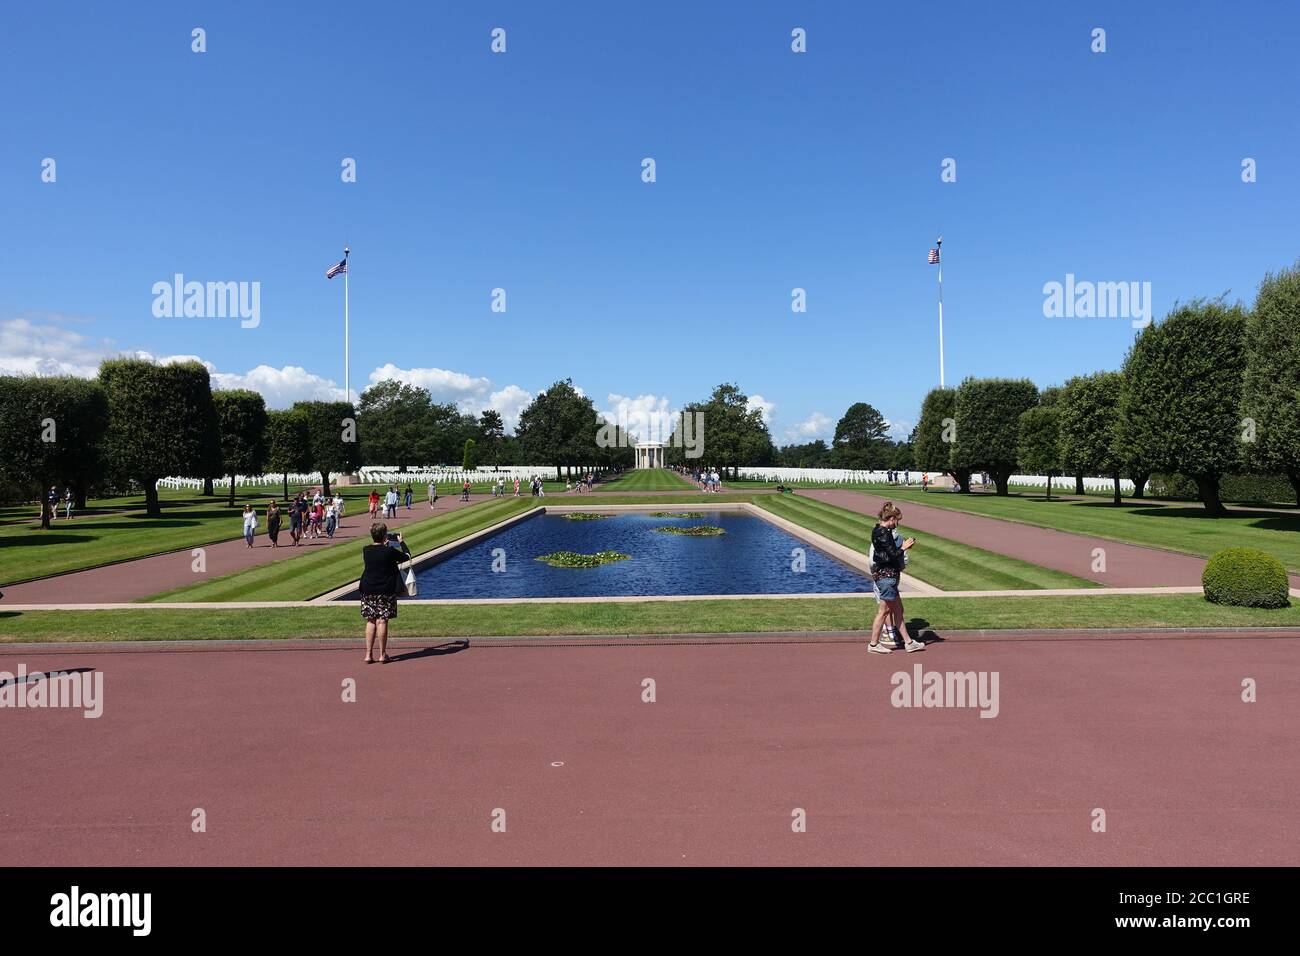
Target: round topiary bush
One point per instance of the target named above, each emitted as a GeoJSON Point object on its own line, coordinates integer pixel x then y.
{"type": "Point", "coordinates": [1245, 577]}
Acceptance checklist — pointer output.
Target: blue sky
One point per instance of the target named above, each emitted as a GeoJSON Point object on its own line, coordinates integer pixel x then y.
{"type": "Point", "coordinates": [522, 171]}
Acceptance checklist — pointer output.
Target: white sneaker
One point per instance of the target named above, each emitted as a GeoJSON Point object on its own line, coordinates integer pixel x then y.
{"type": "Point", "coordinates": [912, 646]}
{"type": "Point", "coordinates": [880, 648]}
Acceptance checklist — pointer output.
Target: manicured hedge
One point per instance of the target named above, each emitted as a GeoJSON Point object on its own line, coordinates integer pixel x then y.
{"type": "Point", "coordinates": [1232, 488]}
{"type": "Point", "coordinates": [1245, 577]}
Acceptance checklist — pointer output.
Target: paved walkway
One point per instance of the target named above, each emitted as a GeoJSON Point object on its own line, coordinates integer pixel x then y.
{"type": "Point", "coordinates": [558, 739]}
{"type": "Point", "coordinates": [1127, 565]}
{"type": "Point", "coordinates": [139, 578]}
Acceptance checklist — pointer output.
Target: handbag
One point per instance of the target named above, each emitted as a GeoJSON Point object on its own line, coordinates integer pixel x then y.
{"type": "Point", "coordinates": [411, 587]}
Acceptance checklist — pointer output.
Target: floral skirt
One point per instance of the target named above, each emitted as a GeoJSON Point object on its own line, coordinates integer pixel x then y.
{"type": "Point", "coordinates": [378, 607]}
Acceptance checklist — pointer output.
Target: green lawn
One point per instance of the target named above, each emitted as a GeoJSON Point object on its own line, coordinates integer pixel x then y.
{"type": "Point", "coordinates": [1175, 528]}
{"type": "Point", "coordinates": [649, 617]}
{"type": "Point", "coordinates": [117, 529]}
{"type": "Point", "coordinates": [946, 564]}
{"type": "Point", "coordinates": [646, 479]}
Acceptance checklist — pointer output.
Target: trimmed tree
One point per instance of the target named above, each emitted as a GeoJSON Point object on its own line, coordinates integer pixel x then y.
{"type": "Point", "coordinates": [492, 433]}
{"type": "Point", "coordinates": [1038, 448]}
{"type": "Point", "coordinates": [161, 421]}
{"type": "Point", "coordinates": [51, 431]}
{"type": "Point", "coordinates": [241, 421]}
{"type": "Point", "coordinates": [988, 413]}
{"type": "Point", "coordinates": [467, 461]}
{"type": "Point", "coordinates": [288, 443]}
{"type": "Point", "coordinates": [1090, 426]}
{"type": "Point", "coordinates": [935, 433]}
{"type": "Point", "coordinates": [1271, 398]}
{"type": "Point", "coordinates": [1182, 394]}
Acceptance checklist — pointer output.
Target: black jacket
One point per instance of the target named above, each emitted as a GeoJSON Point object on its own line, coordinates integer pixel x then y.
{"type": "Point", "coordinates": [888, 555]}
{"type": "Point", "coordinates": [381, 575]}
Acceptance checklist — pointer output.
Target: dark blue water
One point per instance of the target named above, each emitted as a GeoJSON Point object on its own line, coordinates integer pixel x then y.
{"type": "Point", "coordinates": [753, 557]}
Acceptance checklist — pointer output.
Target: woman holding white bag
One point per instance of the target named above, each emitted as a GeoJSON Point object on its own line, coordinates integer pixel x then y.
{"type": "Point", "coordinates": [381, 582]}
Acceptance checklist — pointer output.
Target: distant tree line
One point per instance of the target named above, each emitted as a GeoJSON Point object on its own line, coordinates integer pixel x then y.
{"type": "Point", "coordinates": [1211, 390]}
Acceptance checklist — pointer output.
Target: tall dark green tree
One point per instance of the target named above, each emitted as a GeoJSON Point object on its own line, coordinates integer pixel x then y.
{"type": "Point", "coordinates": [988, 414]}
{"type": "Point", "coordinates": [492, 433]}
{"type": "Point", "coordinates": [396, 422]}
{"type": "Point", "coordinates": [559, 427]}
{"type": "Point", "coordinates": [731, 434]}
{"type": "Point", "coordinates": [241, 423]}
{"type": "Point", "coordinates": [51, 433]}
{"type": "Point", "coordinates": [1182, 393]}
{"type": "Point", "coordinates": [861, 437]}
{"type": "Point", "coordinates": [288, 443]}
{"type": "Point", "coordinates": [335, 445]}
{"type": "Point", "coordinates": [1271, 400]}
{"type": "Point", "coordinates": [161, 421]}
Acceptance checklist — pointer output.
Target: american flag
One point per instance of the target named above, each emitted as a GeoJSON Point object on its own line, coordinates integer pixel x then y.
{"type": "Point", "coordinates": [341, 267]}
{"type": "Point", "coordinates": [934, 256]}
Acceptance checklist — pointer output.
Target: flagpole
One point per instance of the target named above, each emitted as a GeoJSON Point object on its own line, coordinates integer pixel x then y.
{"type": "Point", "coordinates": [938, 245]}
{"type": "Point", "coordinates": [347, 381]}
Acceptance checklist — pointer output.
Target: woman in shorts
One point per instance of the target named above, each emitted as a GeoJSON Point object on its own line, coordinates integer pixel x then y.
{"type": "Point", "coordinates": [886, 569]}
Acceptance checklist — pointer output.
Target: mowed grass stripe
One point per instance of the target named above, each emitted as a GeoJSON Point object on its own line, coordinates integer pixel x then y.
{"type": "Point", "coordinates": [305, 576]}
{"type": "Point", "coordinates": [1175, 528]}
{"type": "Point", "coordinates": [647, 479]}
{"type": "Point", "coordinates": [946, 564]}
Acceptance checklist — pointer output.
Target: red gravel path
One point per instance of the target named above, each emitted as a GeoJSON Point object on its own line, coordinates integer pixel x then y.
{"type": "Point", "coordinates": [1127, 565]}
{"type": "Point", "coordinates": [1152, 731]}
{"type": "Point", "coordinates": [142, 577]}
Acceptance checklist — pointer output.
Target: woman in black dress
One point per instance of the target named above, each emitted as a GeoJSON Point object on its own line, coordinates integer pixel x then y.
{"type": "Point", "coordinates": [380, 583]}
{"type": "Point", "coordinates": [273, 522]}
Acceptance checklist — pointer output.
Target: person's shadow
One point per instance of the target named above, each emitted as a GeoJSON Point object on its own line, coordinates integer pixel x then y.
{"type": "Point", "coordinates": [921, 631]}
{"type": "Point", "coordinates": [437, 650]}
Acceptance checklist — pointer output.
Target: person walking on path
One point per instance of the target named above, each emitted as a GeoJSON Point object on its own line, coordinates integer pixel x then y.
{"type": "Point", "coordinates": [67, 504]}
{"type": "Point", "coordinates": [433, 494]}
{"type": "Point", "coordinates": [516, 487]}
{"type": "Point", "coordinates": [409, 497]}
{"type": "Point", "coordinates": [331, 519]}
{"type": "Point", "coordinates": [390, 503]}
{"type": "Point", "coordinates": [250, 524]}
{"type": "Point", "coordinates": [273, 523]}
{"type": "Point", "coordinates": [374, 504]}
{"type": "Point", "coordinates": [381, 580]}
{"type": "Point", "coordinates": [295, 521]}
{"type": "Point", "coordinates": [887, 562]}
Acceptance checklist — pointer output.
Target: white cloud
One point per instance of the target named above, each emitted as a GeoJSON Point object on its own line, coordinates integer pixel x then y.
{"type": "Point", "coordinates": [649, 417]}
{"type": "Point", "coordinates": [817, 425]}
{"type": "Point", "coordinates": [466, 391]}
{"type": "Point", "coordinates": [46, 348]}
{"type": "Point", "coordinates": [899, 430]}
{"type": "Point", "coordinates": [765, 408]}
{"type": "Point", "coordinates": [471, 394]}
{"type": "Point", "coordinates": [509, 401]}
